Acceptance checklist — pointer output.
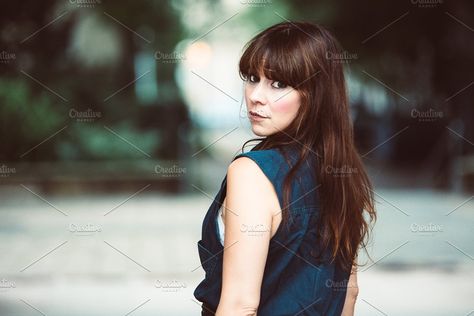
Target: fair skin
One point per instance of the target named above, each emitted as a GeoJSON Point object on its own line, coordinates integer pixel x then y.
{"type": "Point", "coordinates": [252, 202]}
{"type": "Point", "coordinates": [351, 294]}
{"type": "Point", "coordinates": [273, 99]}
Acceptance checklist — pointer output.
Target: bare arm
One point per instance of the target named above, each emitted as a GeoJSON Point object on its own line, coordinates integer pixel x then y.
{"type": "Point", "coordinates": [245, 255]}
{"type": "Point", "coordinates": [351, 294]}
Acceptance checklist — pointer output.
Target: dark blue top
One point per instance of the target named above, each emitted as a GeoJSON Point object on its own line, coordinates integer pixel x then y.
{"type": "Point", "coordinates": [294, 282]}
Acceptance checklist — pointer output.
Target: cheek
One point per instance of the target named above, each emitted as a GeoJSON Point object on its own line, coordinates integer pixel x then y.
{"type": "Point", "coordinates": [288, 104]}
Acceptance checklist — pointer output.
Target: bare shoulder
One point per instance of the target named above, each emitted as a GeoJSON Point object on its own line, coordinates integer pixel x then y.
{"type": "Point", "coordinates": [244, 169]}
{"type": "Point", "coordinates": [252, 195]}
{"type": "Point", "coordinates": [247, 180]}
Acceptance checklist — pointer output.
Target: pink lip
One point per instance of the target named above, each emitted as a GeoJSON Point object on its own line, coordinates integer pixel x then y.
{"type": "Point", "coordinates": [255, 117]}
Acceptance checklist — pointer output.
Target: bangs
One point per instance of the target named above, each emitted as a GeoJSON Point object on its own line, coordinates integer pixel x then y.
{"type": "Point", "coordinates": [277, 56]}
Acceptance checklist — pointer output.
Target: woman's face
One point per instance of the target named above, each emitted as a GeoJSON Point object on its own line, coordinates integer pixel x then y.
{"type": "Point", "coordinates": [273, 100]}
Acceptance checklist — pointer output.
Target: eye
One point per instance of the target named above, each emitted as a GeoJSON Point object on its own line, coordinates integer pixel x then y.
{"type": "Point", "coordinates": [253, 78]}
{"type": "Point", "coordinates": [279, 85]}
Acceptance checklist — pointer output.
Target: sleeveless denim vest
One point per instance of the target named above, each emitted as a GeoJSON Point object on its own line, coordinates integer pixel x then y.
{"type": "Point", "coordinates": [294, 282]}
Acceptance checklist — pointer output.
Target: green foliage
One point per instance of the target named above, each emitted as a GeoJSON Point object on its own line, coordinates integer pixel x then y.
{"type": "Point", "coordinates": [98, 142]}
{"type": "Point", "coordinates": [27, 119]}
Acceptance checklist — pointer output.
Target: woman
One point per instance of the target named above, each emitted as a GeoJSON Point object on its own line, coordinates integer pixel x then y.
{"type": "Point", "coordinates": [293, 207]}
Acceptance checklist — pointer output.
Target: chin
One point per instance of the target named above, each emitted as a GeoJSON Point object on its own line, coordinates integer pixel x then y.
{"type": "Point", "coordinates": [261, 132]}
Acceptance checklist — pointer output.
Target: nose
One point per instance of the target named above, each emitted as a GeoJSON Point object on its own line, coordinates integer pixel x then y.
{"type": "Point", "coordinates": [257, 94]}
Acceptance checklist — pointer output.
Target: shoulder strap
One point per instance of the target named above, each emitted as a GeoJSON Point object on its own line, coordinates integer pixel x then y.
{"type": "Point", "coordinates": [275, 167]}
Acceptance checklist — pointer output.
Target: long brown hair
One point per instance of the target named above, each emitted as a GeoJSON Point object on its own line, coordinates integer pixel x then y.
{"type": "Point", "coordinates": [303, 56]}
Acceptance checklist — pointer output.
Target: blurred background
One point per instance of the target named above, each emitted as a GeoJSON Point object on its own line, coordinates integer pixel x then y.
{"type": "Point", "coordinates": [119, 119]}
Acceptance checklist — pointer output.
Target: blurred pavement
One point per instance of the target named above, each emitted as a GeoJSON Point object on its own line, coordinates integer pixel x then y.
{"type": "Point", "coordinates": [137, 254]}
